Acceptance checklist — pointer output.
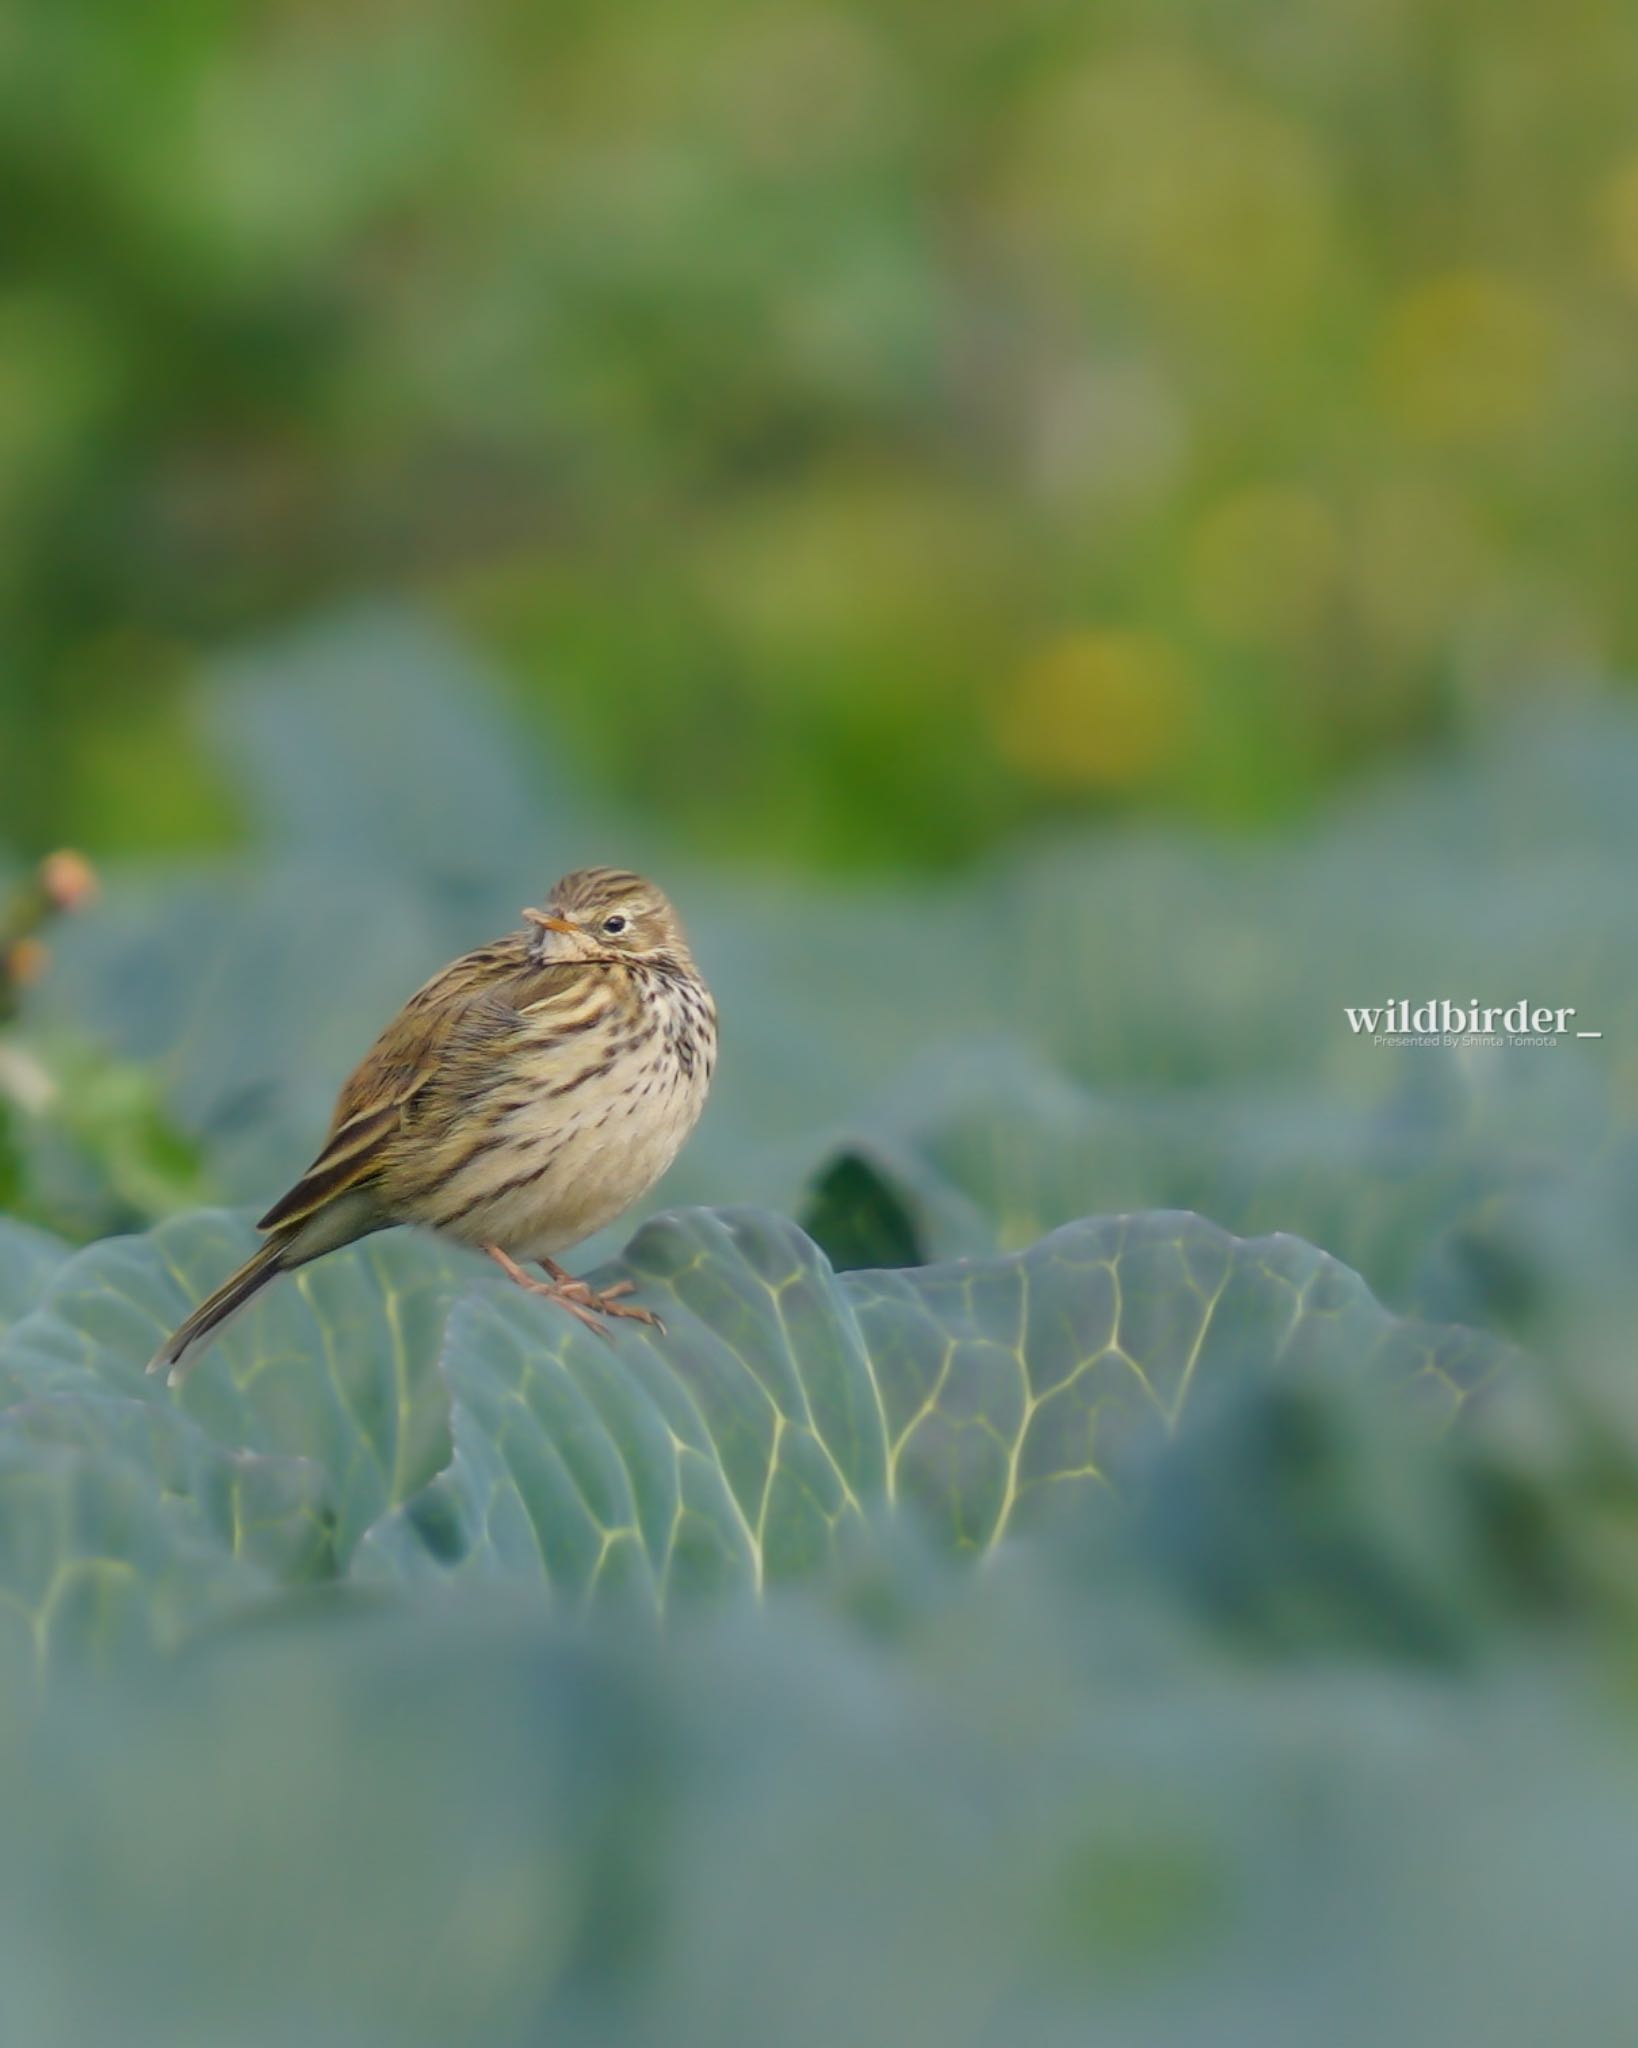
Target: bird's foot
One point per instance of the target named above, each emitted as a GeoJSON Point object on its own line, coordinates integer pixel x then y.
{"type": "Point", "coordinates": [586, 1304]}
{"type": "Point", "coordinates": [601, 1302]}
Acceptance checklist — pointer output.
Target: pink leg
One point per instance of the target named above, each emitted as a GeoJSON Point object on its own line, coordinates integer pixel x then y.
{"type": "Point", "coordinates": [584, 1303]}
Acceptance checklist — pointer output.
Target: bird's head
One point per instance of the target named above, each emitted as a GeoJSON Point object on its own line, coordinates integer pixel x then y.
{"type": "Point", "coordinates": [607, 913]}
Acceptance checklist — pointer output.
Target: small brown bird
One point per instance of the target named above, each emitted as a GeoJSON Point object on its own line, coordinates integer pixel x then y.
{"type": "Point", "coordinates": [526, 1096]}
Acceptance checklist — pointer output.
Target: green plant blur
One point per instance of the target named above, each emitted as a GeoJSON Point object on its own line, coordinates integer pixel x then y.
{"type": "Point", "coordinates": [852, 430]}
{"type": "Point", "coordinates": [1081, 544]}
{"type": "Point", "coordinates": [1224, 1545]}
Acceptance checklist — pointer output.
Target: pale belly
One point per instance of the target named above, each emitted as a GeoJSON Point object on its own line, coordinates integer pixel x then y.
{"type": "Point", "coordinates": [563, 1174]}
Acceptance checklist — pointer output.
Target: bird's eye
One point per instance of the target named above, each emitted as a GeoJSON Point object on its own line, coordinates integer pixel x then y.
{"type": "Point", "coordinates": [615, 924]}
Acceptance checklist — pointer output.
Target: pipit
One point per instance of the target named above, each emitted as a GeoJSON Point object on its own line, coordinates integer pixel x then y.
{"type": "Point", "coordinates": [526, 1096]}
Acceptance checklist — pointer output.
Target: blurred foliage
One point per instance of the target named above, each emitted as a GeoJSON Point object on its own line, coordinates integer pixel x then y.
{"type": "Point", "coordinates": [389, 1420]}
{"type": "Point", "coordinates": [85, 1143]}
{"type": "Point", "coordinates": [1154, 1475]}
{"type": "Point", "coordinates": [1152, 1627]}
{"type": "Point", "coordinates": [1177, 997]}
{"type": "Point", "coordinates": [855, 430]}
{"type": "Point", "coordinates": [1031, 1811]}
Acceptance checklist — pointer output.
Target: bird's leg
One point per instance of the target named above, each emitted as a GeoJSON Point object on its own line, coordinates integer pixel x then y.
{"type": "Point", "coordinates": [604, 1303]}
{"type": "Point", "coordinates": [570, 1285]}
{"type": "Point", "coordinates": [582, 1302]}
{"type": "Point", "coordinates": [513, 1271]}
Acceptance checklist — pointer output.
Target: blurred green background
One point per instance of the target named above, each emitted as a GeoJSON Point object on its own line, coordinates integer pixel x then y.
{"type": "Point", "coordinates": [1078, 542]}
{"type": "Point", "coordinates": [852, 430]}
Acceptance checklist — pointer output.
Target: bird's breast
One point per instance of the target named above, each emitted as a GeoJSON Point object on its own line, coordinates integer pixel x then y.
{"type": "Point", "coordinates": [582, 1126]}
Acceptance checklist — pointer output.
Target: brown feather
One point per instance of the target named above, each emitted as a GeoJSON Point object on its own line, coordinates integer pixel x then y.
{"type": "Point", "coordinates": [521, 1098]}
{"type": "Point", "coordinates": [463, 1019]}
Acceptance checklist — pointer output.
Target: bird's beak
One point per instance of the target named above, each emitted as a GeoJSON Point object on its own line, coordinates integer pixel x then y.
{"type": "Point", "coordinates": [555, 937]}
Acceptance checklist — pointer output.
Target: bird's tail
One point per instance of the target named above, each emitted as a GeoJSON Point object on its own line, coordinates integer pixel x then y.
{"type": "Point", "coordinates": [179, 1352]}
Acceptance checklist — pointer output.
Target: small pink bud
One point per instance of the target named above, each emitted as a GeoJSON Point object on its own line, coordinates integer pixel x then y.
{"type": "Point", "coordinates": [26, 962]}
{"type": "Point", "coordinates": [68, 879]}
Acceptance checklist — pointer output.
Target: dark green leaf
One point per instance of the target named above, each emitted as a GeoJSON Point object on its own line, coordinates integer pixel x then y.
{"type": "Point", "coordinates": [392, 1407]}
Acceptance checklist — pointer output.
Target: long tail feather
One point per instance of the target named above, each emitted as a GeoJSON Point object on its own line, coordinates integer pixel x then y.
{"type": "Point", "coordinates": [208, 1320]}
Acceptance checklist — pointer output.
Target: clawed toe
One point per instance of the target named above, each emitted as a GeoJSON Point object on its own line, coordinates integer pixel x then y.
{"type": "Point", "coordinates": [586, 1304]}
{"type": "Point", "coordinates": [581, 1314]}
{"type": "Point", "coordinates": [606, 1303]}
{"type": "Point", "coordinates": [582, 1306]}
{"type": "Point", "coordinates": [591, 1308]}
{"type": "Point", "coordinates": [601, 1302]}
{"type": "Point", "coordinates": [605, 1306]}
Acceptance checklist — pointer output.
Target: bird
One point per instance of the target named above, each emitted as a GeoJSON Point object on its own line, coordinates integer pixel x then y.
{"type": "Point", "coordinates": [521, 1099]}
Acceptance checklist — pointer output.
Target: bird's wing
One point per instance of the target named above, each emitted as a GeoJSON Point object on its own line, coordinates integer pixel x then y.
{"type": "Point", "coordinates": [452, 1031]}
